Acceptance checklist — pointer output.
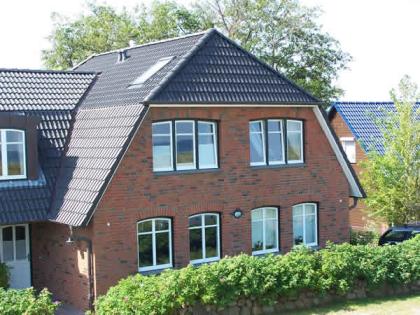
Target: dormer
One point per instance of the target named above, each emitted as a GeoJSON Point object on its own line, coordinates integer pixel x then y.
{"type": "Point", "coordinates": [18, 146]}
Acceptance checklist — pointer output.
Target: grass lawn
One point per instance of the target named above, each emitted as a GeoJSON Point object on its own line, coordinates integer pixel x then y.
{"type": "Point", "coordinates": [408, 305]}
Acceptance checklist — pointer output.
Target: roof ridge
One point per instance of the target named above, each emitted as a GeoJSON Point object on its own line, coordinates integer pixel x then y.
{"type": "Point", "coordinates": [140, 46]}
{"type": "Point", "coordinates": [46, 71]}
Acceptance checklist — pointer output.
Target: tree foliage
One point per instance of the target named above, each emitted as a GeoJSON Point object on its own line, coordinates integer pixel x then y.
{"type": "Point", "coordinates": [283, 33]}
{"type": "Point", "coordinates": [392, 179]}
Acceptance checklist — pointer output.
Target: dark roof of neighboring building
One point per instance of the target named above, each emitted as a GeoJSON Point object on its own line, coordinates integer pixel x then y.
{"type": "Point", "coordinates": [362, 119]}
{"type": "Point", "coordinates": [207, 68]}
{"type": "Point", "coordinates": [52, 96]}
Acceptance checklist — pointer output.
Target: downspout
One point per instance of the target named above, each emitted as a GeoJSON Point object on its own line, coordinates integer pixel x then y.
{"type": "Point", "coordinates": [355, 201]}
{"type": "Point", "coordinates": [75, 238]}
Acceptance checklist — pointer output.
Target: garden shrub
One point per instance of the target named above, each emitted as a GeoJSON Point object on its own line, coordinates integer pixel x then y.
{"type": "Point", "coordinates": [4, 276]}
{"type": "Point", "coordinates": [27, 302]}
{"type": "Point", "coordinates": [337, 268]}
{"type": "Point", "coordinates": [359, 237]}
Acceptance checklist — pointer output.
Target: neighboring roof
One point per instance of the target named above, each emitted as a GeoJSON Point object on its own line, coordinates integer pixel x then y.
{"type": "Point", "coordinates": [360, 118]}
{"type": "Point", "coordinates": [52, 96]}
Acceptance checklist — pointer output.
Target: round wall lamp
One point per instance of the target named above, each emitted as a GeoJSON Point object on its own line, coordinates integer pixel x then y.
{"type": "Point", "coordinates": [237, 213]}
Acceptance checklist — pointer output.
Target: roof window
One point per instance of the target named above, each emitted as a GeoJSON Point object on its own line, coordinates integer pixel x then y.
{"type": "Point", "coordinates": [150, 72]}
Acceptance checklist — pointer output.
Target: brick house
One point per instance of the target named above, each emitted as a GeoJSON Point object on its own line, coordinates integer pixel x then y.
{"type": "Point", "coordinates": [160, 155]}
{"type": "Point", "coordinates": [358, 133]}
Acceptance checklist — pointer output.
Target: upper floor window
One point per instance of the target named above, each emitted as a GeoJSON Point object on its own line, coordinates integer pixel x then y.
{"type": "Point", "coordinates": [267, 142]}
{"type": "Point", "coordinates": [12, 154]}
{"type": "Point", "coordinates": [265, 230]}
{"type": "Point", "coordinates": [349, 147]}
{"type": "Point", "coordinates": [204, 237]}
{"type": "Point", "coordinates": [305, 224]}
{"type": "Point", "coordinates": [184, 145]}
{"type": "Point", "coordinates": [154, 237]}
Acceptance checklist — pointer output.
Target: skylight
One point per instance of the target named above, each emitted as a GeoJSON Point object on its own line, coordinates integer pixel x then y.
{"type": "Point", "coordinates": [150, 72]}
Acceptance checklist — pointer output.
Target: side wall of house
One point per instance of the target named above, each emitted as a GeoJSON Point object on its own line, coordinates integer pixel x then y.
{"type": "Point", "coordinates": [136, 193]}
{"type": "Point", "coordinates": [60, 266]}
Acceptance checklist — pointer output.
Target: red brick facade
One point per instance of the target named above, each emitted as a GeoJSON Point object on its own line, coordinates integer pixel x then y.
{"type": "Point", "coordinates": [136, 193]}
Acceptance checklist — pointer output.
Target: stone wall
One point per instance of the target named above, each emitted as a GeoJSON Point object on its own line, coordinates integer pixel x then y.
{"type": "Point", "coordinates": [304, 300]}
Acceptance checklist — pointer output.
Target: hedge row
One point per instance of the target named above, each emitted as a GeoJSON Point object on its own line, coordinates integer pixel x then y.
{"type": "Point", "coordinates": [4, 276]}
{"type": "Point", "coordinates": [27, 302]}
{"type": "Point", "coordinates": [336, 268]}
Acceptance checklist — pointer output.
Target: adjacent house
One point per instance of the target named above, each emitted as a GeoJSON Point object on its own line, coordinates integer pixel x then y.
{"type": "Point", "coordinates": [161, 155]}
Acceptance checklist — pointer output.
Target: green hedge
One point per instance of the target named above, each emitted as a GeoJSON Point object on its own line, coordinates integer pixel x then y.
{"type": "Point", "coordinates": [364, 237]}
{"type": "Point", "coordinates": [336, 268]}
{"type": "Point", "coordinates": [4, 276]}
{"type": "Point", "coordinates": [27, 302]}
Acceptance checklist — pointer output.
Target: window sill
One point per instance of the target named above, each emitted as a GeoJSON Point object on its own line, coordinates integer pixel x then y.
{"type": "Point", "coordinates": [275, 253]}
{"type": "Point", "coordinates": [153, 271]}
{"type": "Point", "coordinates": [295, 165]}
{"type": "Point", "coordinates": [186, 172]}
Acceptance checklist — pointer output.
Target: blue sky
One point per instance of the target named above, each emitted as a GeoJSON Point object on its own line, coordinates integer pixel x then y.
{"type": "Point", "coordinates": [381, 35]}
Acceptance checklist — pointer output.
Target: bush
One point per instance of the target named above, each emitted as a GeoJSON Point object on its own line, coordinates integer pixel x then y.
{"type": "Point", "coordinates": [4, 276]}
{"type": "Point", "coordinates": [27, 302]}
{"type": "Point", "coordinates": [337, 268]}
{"type": "Point", "coordinates": [364, 237]}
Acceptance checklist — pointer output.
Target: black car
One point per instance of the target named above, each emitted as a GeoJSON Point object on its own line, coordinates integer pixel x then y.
{"type": "Point", "coordinates": [398, 234]}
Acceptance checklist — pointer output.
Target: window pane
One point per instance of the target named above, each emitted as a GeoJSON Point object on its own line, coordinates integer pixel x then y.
{"type": "Point", "coordinates": [145, 250]}
{"type": "Point", "coordinates": [257, 236]}
{"type": "Point", "coordinates": [294, 150]}
{"type": "Point", "coordinates": [196, 251]}
{"type": "Point", "coordinates": [161, 128]}
{"type": "Point", "coordinates": [8, 244]}
{"type": "Point", "coordinates": [255, 126]}
{"type": "Point", "coordinates": [310, 229]}
{"type": "Point", "coordinates": [274, 125]}
{"type": "Point", "coordinates": [257, 214]}
{"type": "Point", "coordinates": [204, 127]}
{"type": "Point", "coordinates": [293, 125]}
{"type": "Point", "coordinates": [210, 219]}
{"type": "Point", "coordinates": [256, 148]}
{"type": "Point", "coordinates": [184, 127]}
{"type": "Point", "coordinates": [185, 151]}
{"type": "Point", "coordinates": [298, 229]}
{"type": "Point", "coordinates": [161, 225]}
{"type": "Point", "coordinates": [145, 226]}
{"type": "Point", "coordinates": [298, 210]}
{"type": "Point", "coordinates": [350, 150]}
{"type": "Point", "coordinates": [195, 221]}
{"type": "Point", "coordinates": [310, 209]}
{"type": "Point", "coordinates": [206, 151]}
{"type": "Point", "coordinates": [275, 147]}
{"type": "Point", "coordinates": [162, 248]}
{"type": "Point", "coordinates": [211, 242]}
{"type": "Point", "coordinates": [14, 136]}
{"type": "Point", "coordinates": [270, 234]}
{"type": "Point", "coordinates": [20, 242]}
{"type": "Point", "coordinates": [162, 153]}
{"type": "Point", "coordinates": [270, 213]}
{"type": "Point", "coordinates": [15, 159]}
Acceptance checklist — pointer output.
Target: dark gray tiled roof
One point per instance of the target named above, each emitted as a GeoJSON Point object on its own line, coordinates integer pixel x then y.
{"type": "Point", "coordinates": [52, 96]}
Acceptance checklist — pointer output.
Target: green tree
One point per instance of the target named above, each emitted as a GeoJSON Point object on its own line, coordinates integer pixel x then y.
{"type": "Point", "coordinates": [283, 33]}
{"type": "Point", "coordinates": [392, 179]}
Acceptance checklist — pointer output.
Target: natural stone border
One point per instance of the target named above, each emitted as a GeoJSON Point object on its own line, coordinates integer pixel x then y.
{"type": "Point", "coordinates": [304, 300]}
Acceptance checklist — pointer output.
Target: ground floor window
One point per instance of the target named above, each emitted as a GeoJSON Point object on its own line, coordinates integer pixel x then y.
{"type": "Point", "coordinates": [305, 224]}
{"type": "Point", "coordinates": [204, 237]}
{"type": "Point", "coordinates": [154, 243]}
{"type": "Point", "coordinates": [265, 230]}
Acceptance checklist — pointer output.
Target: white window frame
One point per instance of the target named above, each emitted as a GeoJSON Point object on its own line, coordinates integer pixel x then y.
{"type": "Point", "coordinates": [14, 242]}
{"type": "Point", "coordinates": [4, 157]}
{"type": "Point", "coordinates": [263, 220]}
{"type": "Point", "coordinates": [154, 232]}
{"type": "Point", "coordinates": [214, 135]}
{"type": "Point", "coordinates": [180, 167]}
{"type": "Point", "coordinates": [171, 168]}
{"type": "Point", "coordinates": [282, 141]}
{"type": "Point", "coordinates": [348, 139]}
{"type": "Point", "coordinates": [262, 132]}
{"type": "Point", "coordinates": [202, 227]}
{"type": "Point", "coordinates": [304, 222]}
{"type": "Point", "coordinates": [301, 140]}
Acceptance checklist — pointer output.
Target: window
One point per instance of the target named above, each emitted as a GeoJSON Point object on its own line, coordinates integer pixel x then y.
{"type": "Point", "coordinates": [349, 147]}
{"type": "Point", "coordinates": [14, 244]}
{"type": "Point", "coordinates": [184, 145]}
{"type": "Point", "coordinates": [267, 142]}
{"type": "Point", "coordinates": [265, 230]}
{"type": "Point", "coordinates": [150, 72]}
{"type": "Point", "coordinates": [12, 154]}
{"type": "Point", "coordinates": [305, 225]}
{"type": "Point", "coordinates": [204, 237]}
{"type": "Point", "coordinates": [154, 244]}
